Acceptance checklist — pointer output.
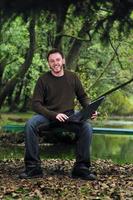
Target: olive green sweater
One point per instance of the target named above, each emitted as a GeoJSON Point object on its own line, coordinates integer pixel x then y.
{"type": "Point", "coordinates": [53, 95]}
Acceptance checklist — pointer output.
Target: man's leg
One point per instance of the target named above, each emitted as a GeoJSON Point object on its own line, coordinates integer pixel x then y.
{"type": "Point", "coordinates": [83, 146]}
{"type": "Point", "coordinates": [84, 137]}
{"type": "Point", "coordinates": [83, 133]}
{"type": "Point", "coordinates": [32, 158]}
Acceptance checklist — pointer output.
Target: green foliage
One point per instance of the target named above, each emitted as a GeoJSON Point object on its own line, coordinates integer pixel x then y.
{"type": "Point", "coordinates": [13, 46]}
{"type": "Point", "coordinates": [120, 104]}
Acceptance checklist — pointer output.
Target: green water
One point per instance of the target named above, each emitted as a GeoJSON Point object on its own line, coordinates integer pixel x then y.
{"type": "Point", "coordinates": [114, 123]}
{"type": "Point", "coordinates": [118, 148]}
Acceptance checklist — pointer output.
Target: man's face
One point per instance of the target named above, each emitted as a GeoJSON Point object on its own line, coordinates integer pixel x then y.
{"type": "Point", "coordinates": [56, 62]}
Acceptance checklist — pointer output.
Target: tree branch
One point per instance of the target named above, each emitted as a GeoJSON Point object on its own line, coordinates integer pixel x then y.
{"type": "Point", "coordinates": [77, 38]}
{"type": "Point", "coordinates": [117, 55]}
{"type": "Point", "coordinates": [105, 68]}
{"type": "Point", "coordinates": [12, 61]}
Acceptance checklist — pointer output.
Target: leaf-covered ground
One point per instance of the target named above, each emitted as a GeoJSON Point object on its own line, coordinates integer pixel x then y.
{"type": "Point", "coordinates": [113, 182]}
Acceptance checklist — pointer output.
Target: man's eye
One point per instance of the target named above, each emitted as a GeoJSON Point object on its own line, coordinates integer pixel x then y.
{"type": "Point", "coordinates": [51, 61]}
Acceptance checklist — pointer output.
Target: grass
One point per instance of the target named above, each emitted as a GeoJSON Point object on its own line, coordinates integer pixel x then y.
{"type": "Point", "coordinates": [14, 118]}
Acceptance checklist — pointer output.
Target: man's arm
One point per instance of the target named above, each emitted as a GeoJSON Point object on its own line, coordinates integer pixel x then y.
{"type": "Point", "coordinates": [38, 101]}
{"type": "Point", "coordinates": [80, 93]}
{"type": "Point", "coordinates": [82, 96]}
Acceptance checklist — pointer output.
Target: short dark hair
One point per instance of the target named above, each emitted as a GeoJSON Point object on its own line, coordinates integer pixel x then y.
{"type": "Point", "coordinates": [55, 51]}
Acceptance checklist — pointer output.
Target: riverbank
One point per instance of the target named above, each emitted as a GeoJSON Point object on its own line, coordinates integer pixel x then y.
{"type": "Point", "coordinates": [126, 117]}
{"type": "Point", "coordinates": [113, 181]}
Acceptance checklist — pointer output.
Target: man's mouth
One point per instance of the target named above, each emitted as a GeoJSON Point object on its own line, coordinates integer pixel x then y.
{"type": "Point", "coordinates": [56, 67]}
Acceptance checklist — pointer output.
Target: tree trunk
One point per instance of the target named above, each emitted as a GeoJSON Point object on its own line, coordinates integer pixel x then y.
{"type": "Point", "coordinates": [13, 103]}
{"type": "Point", "coordinates": [10, 98]}
{"type": "Point", "coordinates": [18, 94]}
{"type": "Point", "coordinates": [61, 16]}
{"type": "Point", "coordinates": [76, 46]}
{"type": "Point", "coordinates": [24, 67]}
{"type": "Point", "coordinates": [2, 67]}
{"type": "Point", "coordinates": [25, 106]}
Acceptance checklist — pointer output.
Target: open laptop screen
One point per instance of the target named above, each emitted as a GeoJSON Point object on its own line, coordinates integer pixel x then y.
{"type": "Point", "coordinates": [87, 112]}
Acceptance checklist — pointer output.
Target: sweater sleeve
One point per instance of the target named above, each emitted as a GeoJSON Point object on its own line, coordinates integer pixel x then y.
{"type": "Point", "coordinates": [38, 101]}
{"type": "Point", "coordinates": [80, 93]}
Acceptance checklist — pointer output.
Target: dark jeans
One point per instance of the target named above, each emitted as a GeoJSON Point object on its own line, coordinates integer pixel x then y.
{"type": "Point", "coordinates": [83, 133]}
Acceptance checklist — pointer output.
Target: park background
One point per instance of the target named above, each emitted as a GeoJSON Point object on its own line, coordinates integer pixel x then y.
{"type": "Point", "coordinates": [97, 40]}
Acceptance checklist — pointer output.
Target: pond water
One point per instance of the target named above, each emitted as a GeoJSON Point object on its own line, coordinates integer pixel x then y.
{"type": "Point", "coordinates": [113, 123]}
{"type": "Point", "coordinates": [118, 148]}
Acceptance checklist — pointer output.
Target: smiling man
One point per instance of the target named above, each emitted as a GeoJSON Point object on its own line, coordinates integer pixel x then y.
{"type": "Point", "coordinates": [53, 101]}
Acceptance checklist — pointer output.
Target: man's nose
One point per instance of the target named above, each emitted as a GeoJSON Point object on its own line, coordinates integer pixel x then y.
{"type": "Point", "coordinates": [56, 62]}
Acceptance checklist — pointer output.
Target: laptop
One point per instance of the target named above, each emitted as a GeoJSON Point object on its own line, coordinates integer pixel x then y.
{"type": "Point", "coordinates": [87, 112]}
{"type": "Point", "coordinates": [78, 117]}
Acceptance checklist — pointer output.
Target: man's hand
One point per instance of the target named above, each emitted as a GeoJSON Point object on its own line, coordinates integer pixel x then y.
{"type": "Point", "coordinates": [94, 115]}
{"type": "Point", "coordinates": [61, 117]}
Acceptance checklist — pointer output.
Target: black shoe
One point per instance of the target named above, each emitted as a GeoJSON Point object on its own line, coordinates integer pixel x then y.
{"type": "Point", "coordinates": [31, 172]}
{"type": "Point", "coordinates": [83, 172]}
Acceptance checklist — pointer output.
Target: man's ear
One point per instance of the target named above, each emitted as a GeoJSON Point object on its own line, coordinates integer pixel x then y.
{"type": "Point", "coordinates": [64, 61]}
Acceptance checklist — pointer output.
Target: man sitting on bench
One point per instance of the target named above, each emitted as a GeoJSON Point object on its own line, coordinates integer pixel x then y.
{"type": "Point", "coordinates": [53, 101]}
